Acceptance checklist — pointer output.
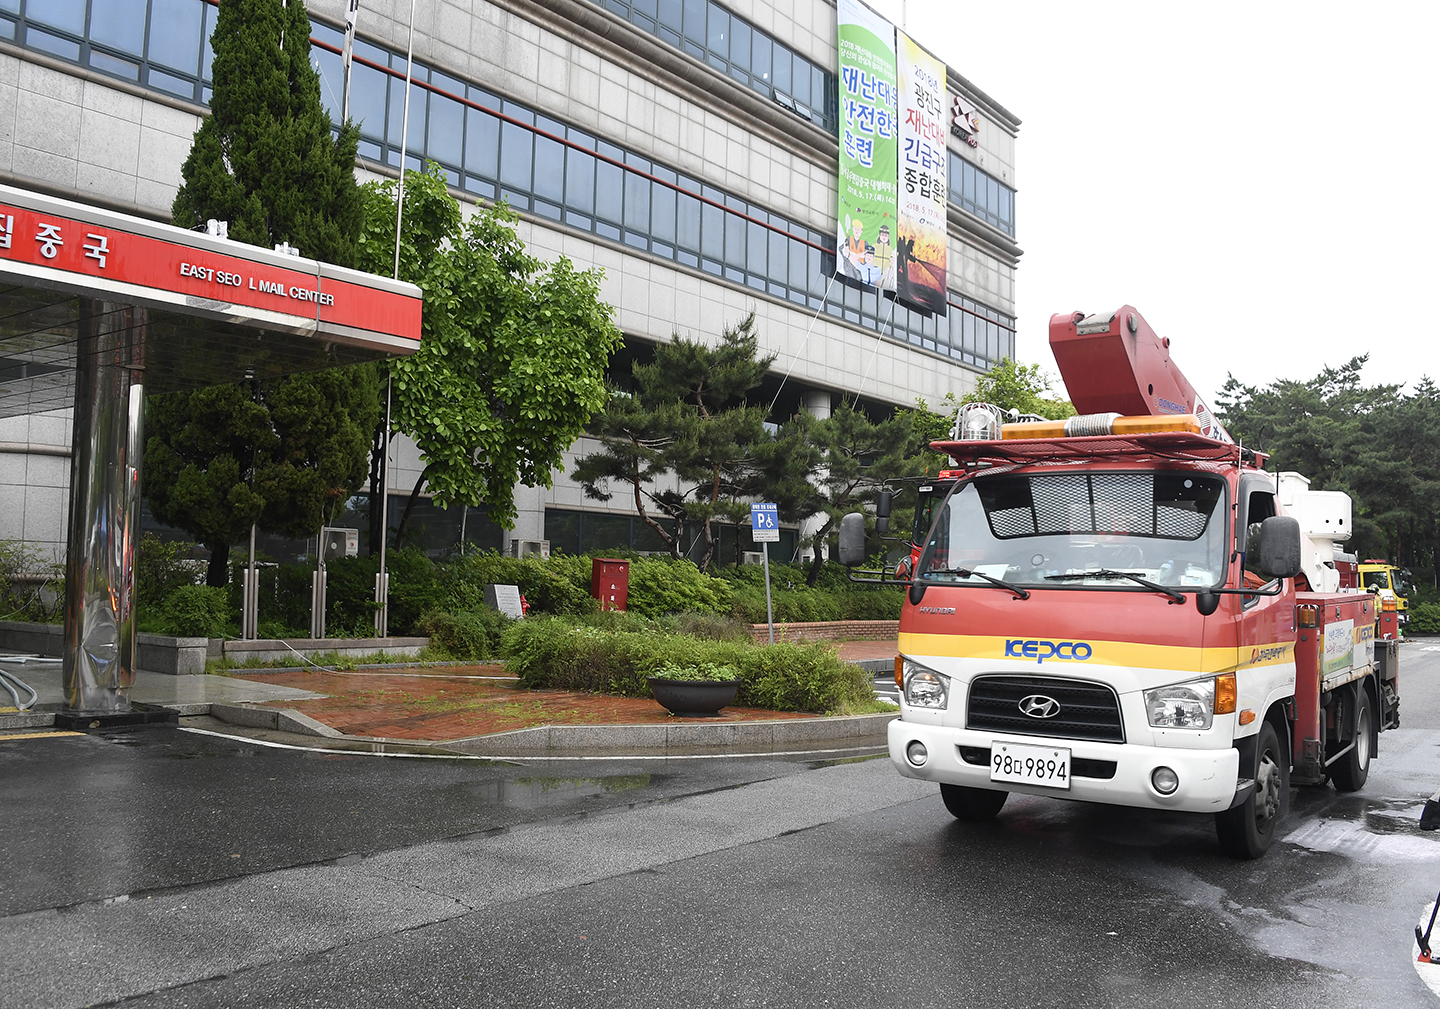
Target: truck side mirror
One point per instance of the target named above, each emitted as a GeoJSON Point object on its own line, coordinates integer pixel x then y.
{"type": "Point", "coordinates": [882, 511]}
{"type": "Point", "coordinates": [852, 539]}
{"type": "Point", "coordinates": [1280, 547]}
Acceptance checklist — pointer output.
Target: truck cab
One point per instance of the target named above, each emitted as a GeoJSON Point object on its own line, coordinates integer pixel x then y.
{"type": "Point", "coordinates": [1389, 583]}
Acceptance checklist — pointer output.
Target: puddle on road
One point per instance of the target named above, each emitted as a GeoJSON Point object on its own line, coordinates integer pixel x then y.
{"type": "Point", "coordinates": [1384, 836]}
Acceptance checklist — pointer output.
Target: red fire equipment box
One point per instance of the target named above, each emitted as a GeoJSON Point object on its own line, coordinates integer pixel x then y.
{"type": "Point", "coordinates": [610, 582]}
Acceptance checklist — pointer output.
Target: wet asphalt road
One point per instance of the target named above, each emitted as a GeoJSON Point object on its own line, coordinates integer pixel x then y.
{"type": "Point", "coordinates": [177, 869]}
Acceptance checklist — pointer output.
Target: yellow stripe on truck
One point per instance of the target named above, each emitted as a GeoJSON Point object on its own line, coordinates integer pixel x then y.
{"type": "Point", "coordinates": [1107, 653]}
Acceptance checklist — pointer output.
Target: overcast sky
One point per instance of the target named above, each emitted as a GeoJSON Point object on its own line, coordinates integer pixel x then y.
{"type": "Point", "coordinates": [1258, 179]}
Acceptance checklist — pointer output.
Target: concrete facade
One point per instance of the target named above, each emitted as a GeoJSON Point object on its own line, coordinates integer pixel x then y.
{"type": "Point", "coordinates": [75, 131]}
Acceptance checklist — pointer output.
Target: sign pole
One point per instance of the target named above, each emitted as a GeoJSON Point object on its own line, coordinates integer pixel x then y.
{"type": "Point", "coordinates": [769, 611]}
{"type": "Point", "coordinates": [765, 529]}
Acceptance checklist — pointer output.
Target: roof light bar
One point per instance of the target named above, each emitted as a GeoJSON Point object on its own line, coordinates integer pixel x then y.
{"type": "Point", "coordinates": [1094, 424]}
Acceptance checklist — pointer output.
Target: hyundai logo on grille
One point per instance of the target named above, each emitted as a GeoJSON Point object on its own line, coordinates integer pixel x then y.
{"type": "Point", "coordinates": [1039, 706]}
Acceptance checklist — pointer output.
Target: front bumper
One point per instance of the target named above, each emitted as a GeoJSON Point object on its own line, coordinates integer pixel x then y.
{"type": "Point", "coordinates": [1208, 778]}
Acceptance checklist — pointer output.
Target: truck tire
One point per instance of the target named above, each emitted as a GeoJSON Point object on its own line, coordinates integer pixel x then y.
{"type": "Point", "coordinates": [1350, 771]}
{"type": "Point", "coordinates": [1248, 830]}
{"type": "Point", "coordinates": [973, 805]}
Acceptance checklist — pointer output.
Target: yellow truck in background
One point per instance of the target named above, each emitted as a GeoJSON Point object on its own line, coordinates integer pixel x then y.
{"type": "Point", "coordinates": [1381, 577]}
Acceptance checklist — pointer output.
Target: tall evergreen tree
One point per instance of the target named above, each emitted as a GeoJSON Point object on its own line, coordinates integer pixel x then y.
{"type": "Point", "coordinates": [283, 452]}
{"type": "Point", "coordinates": [266, 159]}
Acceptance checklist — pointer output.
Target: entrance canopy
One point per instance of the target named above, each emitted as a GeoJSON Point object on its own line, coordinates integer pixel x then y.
{"type": "Point", "coordinates": [96, 310]}
{"type": "Point", "coordinates": [216, 311]}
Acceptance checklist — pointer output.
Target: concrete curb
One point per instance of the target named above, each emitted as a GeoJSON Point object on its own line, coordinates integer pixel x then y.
{"type": "Point", "coordinates": [278, 719]}
{"type": "Point", "coordinates": [779, 734]}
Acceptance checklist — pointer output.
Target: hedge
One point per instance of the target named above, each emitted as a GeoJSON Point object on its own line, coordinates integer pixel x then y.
{"type": "Point", "coordinates": [559, 655]}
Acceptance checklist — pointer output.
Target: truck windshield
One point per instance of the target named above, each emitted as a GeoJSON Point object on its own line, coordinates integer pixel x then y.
{"type": "Point", "coordinates": [1049, 530]}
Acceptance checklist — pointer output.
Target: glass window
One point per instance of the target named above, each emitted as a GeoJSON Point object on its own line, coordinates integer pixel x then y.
{"type": "Point", "coordinates": [445, 133]}
{"type": "Point", "coordinates": [801, 81]}
{"type": "Point", "coordinates": [695, 21]}
{"type": "Point", "coordinates": [609, 190]}
{"type": "Point", "coordinates": [418, 96]}
{"type": "Point", "coordinates": [739, 44]}
{"type": "Point", "coordinates": [718, 35]}
{"type": "Point", "coordinates": [760, 51]}
{"type": "Point", "coordinates": [712, 231]}
{"type": "Point", "coordinates": [756, 252]}
{"type": "Point", "coordinates": [670, 13]}
{"type": "Point", "coordinates": [784, 60]}
{"type": "Point", "coordinates": [68, 15]}
{"type": "Point", "coordinates": [646, 7]}
{"type": "Point", "coordinates": [175, 37]}
{"type": "Point", "coordinates": [368, 90]}
{"type": "Point", "coordinates": [992, 197]}
{"type": "Point", "coordinates": [688, 213]}
{"type": "Point", "coordinates": [516, 150]}
{"type": "Point", "coordinates": [549, 169]}
{"type": "Point", "coordinates": [637, 202]}
{"type": "Point", "coordinates": [482, 143]}
{"type": "Point", "coordinates": [580, 181]}
{"type": "Point", "coordinates": [112, 64]}
{"type": "Point", "coordinates": [662, 213]}
{"type": "Point", "coordinates": [120, 24]}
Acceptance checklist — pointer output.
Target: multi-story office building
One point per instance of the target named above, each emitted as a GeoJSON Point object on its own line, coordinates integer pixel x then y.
{"type": "Point", "coordinates": [687, 147]}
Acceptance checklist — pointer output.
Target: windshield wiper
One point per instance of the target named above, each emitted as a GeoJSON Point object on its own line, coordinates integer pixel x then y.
{"type": "Point", "coordinates": [1106, 573]}
{"type": "Point", "coordinates": [967, 573]}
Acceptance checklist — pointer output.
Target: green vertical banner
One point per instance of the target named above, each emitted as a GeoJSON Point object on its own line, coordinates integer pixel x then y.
{"type": "Point", "coordinates": [869, 148]}
{"type": "Point", "coordinates": [922, 244]}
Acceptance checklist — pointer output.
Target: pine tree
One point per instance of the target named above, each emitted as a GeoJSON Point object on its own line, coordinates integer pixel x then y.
{"type": "Point", "coordinates": [690, 420]}
{"type": "Point", "coordinates": [266, 159]}
{"type": "Point", "coordinates": [286, 452]}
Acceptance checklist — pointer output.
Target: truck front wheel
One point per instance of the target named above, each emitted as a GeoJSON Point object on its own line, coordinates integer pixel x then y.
{"type": "Point", "coordinates": [973, 805]}
{"type": "Point", "coordinates": [1248, 830]}
{"type": "Point", "coordinates": [1350, 771]}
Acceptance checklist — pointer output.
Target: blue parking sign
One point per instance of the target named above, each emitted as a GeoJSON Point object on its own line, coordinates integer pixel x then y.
{"type": "Point", "coordinates": [764, 523]}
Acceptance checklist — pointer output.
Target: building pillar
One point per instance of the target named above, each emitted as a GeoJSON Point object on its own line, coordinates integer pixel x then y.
{"type": "Point", "coordinates": [816, 402]}
{"type": "Point", "coordinates": [99, 648]}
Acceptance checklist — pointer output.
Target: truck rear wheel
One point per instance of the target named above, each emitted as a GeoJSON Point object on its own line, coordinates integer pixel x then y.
{"type": "Point", "coordinates": [1248, 830]}
{"type": "Point", "coordinates": [973, 805]}
{"type": "Point", "coordinates": [1350, 771]}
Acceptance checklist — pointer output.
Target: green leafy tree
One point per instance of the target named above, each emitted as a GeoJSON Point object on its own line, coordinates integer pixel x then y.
{"type": "Point", "coordinates": [286, 454]}
{"type": "Point", "coordinates": [856, 455]}
{"type": "Point", "coordinates": [513, 351]}
{"type": "Point", "coordinates": [266, 160]}
{"type": "Point", "coordinates": [1364, 440]}
{"type": "Point", "coordinates": [1022, 387]}
{"type": "Point", "coordinates": [688, 446]}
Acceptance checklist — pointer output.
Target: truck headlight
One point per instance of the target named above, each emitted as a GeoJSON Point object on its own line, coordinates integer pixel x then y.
{"type": "Point", "coordinates": [925, 688]}
{"type": "Point", "coordinates": [1188, 705]}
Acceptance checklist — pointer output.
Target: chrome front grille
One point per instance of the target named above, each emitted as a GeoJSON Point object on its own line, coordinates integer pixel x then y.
{"type": "Point", "coordinates": [1087, 710]}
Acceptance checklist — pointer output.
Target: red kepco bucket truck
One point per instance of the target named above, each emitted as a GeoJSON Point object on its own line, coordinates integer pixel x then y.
{"type": "Point", "coordinates": [1126, 607]}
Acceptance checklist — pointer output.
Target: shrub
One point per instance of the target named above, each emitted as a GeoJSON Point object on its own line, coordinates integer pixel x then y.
{"type": "Point", "coordinates": [546, 585]}
{"type": "Point", "coordinates": [708, 671]}
{"type": "Point", "coordinates": [472, 634]}
{"type": "Point", "coordinates": [194, 611]}
{"type": "Point", "coordinates": [555, 654]}
{"type": "Point", "coordinates": [161, 567]}
{"type": "Point", "coordinates": [659, 586]}
{"type": "Point", "coordinates": [24, 598]}
{"type": "Point", "coordinates": [710, 626]}
{"type": "Point", "coordinates": [1424, 618]}
{"type": "Point", "coordinates": [415, 590]}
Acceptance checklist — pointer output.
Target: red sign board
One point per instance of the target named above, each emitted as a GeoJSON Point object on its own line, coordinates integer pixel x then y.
{"type": "Point", "coordinates": [62, 243]}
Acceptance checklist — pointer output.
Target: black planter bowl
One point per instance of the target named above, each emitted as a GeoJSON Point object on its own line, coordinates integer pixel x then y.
{"type": "Point", "coordinates": [694, 698]}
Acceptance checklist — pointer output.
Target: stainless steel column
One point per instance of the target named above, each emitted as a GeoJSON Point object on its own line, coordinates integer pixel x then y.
{"type": "Point", "coordinates": [99, 657]}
